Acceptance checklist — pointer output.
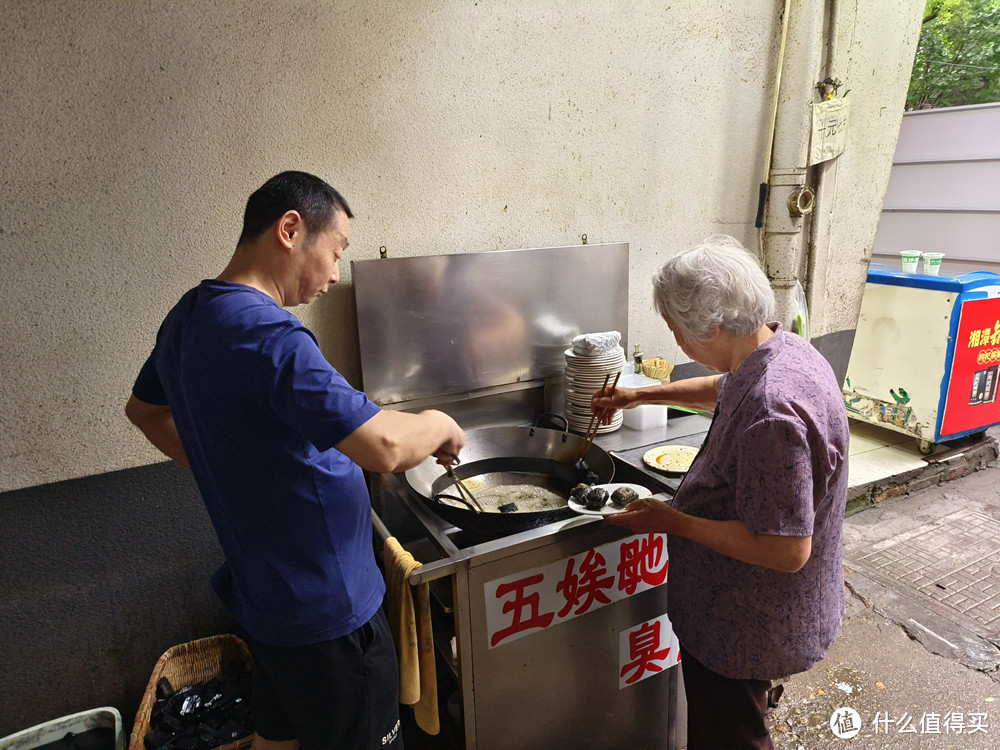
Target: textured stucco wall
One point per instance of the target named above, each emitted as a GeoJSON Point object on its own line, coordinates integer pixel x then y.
{"type": "Point", "coordinates": [872, 54]}
{"type": "Point", "coordinates": [133, 133]}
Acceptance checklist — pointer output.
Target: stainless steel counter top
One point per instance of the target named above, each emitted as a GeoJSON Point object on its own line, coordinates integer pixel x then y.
{"type": "Point", "coordinates": [627, 446]}
{"type": "Point", "coordinates": [679, 425]}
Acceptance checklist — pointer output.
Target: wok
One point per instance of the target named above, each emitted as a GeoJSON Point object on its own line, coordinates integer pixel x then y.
{"type": "Point", "coordinates": [495, 456]}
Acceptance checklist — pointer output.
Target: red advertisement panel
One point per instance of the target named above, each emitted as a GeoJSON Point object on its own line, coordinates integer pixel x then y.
{"type": "Point", "coordinates": [971, 402]}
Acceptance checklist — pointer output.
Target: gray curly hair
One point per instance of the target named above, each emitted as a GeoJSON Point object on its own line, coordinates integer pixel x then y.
{"type": "Point", "coordinates": [718, 283]}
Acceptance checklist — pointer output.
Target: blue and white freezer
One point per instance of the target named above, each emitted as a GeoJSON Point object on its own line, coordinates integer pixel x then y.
{"type": "Point", "coordinates": [926, 354]}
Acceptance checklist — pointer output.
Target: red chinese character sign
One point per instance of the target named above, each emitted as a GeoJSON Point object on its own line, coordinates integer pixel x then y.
{"type": "Point", "coordinates": [533, 600]}
{"type": "Point", "coordinates": [971, 402]}
{"type": "Point", "coordinates": [646, 650]}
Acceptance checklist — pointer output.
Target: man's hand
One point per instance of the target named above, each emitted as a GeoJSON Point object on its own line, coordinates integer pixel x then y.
{"type": "Point", "coordinates": [446, 458]}
{"type": "Point", "coordinates": [157, 424]}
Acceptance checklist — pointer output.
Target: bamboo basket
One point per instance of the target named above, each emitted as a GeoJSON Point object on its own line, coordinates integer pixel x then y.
{"type": "Point", "coordinates": [189, 664]}
{"type": "Point", "coordinates": [657, 368]}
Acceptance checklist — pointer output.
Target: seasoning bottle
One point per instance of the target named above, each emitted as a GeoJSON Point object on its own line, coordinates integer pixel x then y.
{"type": "Point", "coordinates": [637, 360]}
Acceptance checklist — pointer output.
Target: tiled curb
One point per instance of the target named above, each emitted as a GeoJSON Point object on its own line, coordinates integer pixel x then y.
{"type": "Point", "coordinates": [942, 467]}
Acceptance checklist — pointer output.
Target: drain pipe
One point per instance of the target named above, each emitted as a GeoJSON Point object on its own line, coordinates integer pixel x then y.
{"type": "Point", "coordinates": [765, 185]}
{"type": "Point", "coordinates": [782, 235]}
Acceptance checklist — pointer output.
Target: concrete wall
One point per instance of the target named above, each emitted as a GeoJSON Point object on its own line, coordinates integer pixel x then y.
{"type": "Point", "coordinates": [133, 133]}
{"type": "Point", "coordinates": [870, 50]}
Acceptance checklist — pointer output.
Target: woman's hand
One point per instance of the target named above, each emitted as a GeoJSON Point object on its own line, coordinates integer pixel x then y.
{"type": "Point", "coordinates": [649, 515]}
{"type": "Point", "coordinates": [606, 402]}
{"type": "Point", "coordinates": [730, 538]}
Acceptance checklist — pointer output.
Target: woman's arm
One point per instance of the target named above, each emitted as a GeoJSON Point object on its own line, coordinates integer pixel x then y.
{"type": "Point", "coordinates": [691, 393]}
{"type": "Point", "coordinates": [730, 538]}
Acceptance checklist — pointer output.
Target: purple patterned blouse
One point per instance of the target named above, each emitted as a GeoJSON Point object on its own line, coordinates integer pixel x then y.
{"type": "Point", "coordinates": [775, 458]}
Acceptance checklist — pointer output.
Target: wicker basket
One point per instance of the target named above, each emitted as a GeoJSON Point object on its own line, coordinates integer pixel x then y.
{"type": "Point", "coordinates": [190, 664]}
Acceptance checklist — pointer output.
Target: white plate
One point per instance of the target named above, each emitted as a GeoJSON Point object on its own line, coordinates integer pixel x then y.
{"type": "Point", "coordinates": [584, 412]}
{"type": "Point", "coordinates": [673, 459]}
{"type": "Point", "coordinates": [582, 421]}
{"type": "Point", "coordinates": [615, 355]}
{"type": "Point", "coordinates": [591, 384]}
{"type": "Point", "coordinates": [594, 368]}
{"type": "Point", "coordinates": [592, 380]}
{"type": "Point", "coordinates": [605, 362]}
{"type": "Point", "coordinates": [602, 431]}
{"type": "Point", "coordinates": [608, 508]}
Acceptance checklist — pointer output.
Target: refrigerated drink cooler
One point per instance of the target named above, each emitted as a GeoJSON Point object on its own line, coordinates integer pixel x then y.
{"type": "Point", "coordinates": [926, 355]}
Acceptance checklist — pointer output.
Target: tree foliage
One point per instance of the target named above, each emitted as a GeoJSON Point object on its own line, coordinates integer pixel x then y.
{"type": "Point", "coordinates": [958, 56]}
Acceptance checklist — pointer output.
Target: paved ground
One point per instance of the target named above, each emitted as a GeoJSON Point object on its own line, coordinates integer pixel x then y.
{"type": "Point", "coordinates": [917, 656]}
{"type": "Point", "coordinates": [916, 699]}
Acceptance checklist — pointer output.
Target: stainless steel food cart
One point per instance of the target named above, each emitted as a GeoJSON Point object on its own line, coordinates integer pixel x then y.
{"type": "Point", "coordinates": [554, 636]}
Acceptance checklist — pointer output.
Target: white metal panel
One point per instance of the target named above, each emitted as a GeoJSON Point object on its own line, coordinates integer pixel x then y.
{"type": "Point", "coordinates": [963, 236]}
{"type": "Point", "coordinates": [901, 343]}
{"type": "Point", "coordinates": [559, 686]}
{"type": "Point", "coordinates": [949, 185]}
{"type": "Point", "coordinates": [951, 266]}
{"type": "Point", "coordinates": [944, 189]}
{"type": "Point", "coordinates": [950, 133]}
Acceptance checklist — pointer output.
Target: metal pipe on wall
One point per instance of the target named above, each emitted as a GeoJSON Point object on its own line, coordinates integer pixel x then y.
{"type": "Point", "coordinates": [764, 185]}
{"type": "Point", "coordinates": [783, 237]}
{"type": "Point", "coordinates": [824, 178]}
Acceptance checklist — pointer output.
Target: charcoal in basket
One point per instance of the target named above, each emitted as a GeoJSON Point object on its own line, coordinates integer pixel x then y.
{"type": "Point", "coordinates": [202, 716]}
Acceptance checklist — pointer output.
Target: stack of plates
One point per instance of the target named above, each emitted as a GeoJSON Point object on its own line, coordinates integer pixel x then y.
{"type": "Point", "coordinates": [584, 374]}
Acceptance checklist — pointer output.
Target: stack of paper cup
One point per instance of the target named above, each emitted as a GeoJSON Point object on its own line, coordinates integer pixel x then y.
{"type": "Point", "coordinates": [932, 263]}
{"type": "Point", "coordinates": [911, 258]}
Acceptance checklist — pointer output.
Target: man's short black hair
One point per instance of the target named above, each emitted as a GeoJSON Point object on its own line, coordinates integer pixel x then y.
{"type": "Point", "coordinates": [314, 199]}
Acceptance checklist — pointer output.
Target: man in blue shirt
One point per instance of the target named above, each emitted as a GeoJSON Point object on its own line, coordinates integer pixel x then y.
{"type": "Point", "coordinates": [237, 390]}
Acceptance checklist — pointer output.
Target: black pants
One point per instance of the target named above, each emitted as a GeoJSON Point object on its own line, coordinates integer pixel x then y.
{"type": "Point", "coordinates": [723, 713]}
{"type": "Point", "coordinates": [337, 695]}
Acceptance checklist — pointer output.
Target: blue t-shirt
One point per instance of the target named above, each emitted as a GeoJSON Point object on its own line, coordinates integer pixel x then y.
{"type": "Point", "coordinates": [259, 409]}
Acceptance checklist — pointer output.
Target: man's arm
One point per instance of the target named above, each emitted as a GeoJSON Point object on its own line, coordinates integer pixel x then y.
{"type": "Point", "coordinates": [394, 441]}
{"type": "Point", "coordinates": [157, 424]}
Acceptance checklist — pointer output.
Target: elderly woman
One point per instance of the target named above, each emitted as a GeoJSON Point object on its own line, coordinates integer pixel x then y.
{"type": "Point", "coordinates": [756, 588]}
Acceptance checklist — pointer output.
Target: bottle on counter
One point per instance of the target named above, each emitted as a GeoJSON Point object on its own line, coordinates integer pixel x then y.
{"type": "Point", "coordinates": [636, 359]}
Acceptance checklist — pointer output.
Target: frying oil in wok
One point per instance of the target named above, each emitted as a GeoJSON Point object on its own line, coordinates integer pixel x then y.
{"type": "Point", "coordinates": [527, 497]}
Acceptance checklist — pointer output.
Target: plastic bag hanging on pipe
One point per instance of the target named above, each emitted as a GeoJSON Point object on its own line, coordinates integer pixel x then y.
{"type": "Point", "coordinates": [800, 312]}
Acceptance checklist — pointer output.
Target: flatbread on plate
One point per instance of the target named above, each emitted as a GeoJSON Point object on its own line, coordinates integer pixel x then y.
{"type": "Point", "coordinates": [675, 459]}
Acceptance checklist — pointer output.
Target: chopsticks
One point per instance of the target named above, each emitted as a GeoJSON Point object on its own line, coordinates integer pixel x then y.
{"type": "Point", "coordinates": [595, 420]}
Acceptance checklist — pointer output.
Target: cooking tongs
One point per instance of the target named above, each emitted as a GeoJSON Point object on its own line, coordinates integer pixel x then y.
{"type": "Point", "coordinates": [464, 491]}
